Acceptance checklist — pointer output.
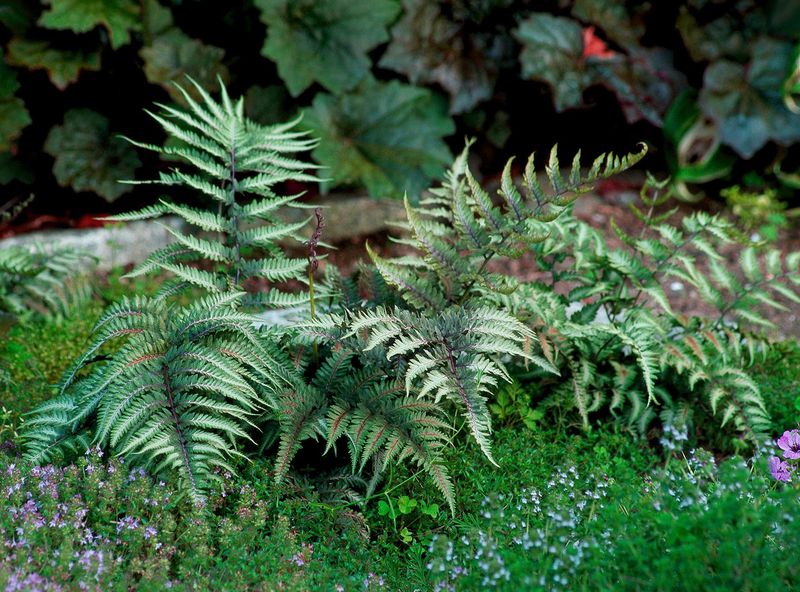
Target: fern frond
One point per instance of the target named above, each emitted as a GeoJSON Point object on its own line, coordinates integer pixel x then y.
{"type": "Point", "coordinates": [237, 163]}
{"type": "Point", "coordinates": [178, 394]}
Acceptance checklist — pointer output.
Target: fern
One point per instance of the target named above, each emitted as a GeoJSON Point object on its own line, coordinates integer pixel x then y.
{"type": "Point", "coordinates": [238, 165]}
{"type": "Point", "coordinates": [44, 281]}
{"type": "Point", "coordinates": [626, 326]}
{"type": "Point", "coordinates": [459, 229]}
{"type": "Point", "coordinates": [350, 398]}
{"type": "Point", "coordinates": [179, 394]}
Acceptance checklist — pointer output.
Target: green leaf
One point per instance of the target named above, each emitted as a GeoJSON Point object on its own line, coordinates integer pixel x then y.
{"type": "Point", "coordinates": [88, 157]}
{"type": "Point", "coordinates": [63, 67]}
{"type": "Point", "coordinates": [175, 56]}
{"type": "Point", "coordinates": [552, 52]}
{"type": "Point", "coordinates": [405, 504]}
{"type": "Point", "coordinates": [13, 114]}
{"type": "Point", "coordinates": [268, 104]}
{"type": "Point", "coordinates": [431, 510]}
{"type": "Point", "coordinates": [713, 40]}
{"type": "Point", "coordinates": [385, 135]}
{"type": "Point", "coordinates": [170, 56]}
{"type": "Point", "coordinates": [694, 152]}
{"type": "Point", "coordinates": [746, 101]}
{"type": "Point", "coordinates": [384, 509]}
{"type": "Point", "coordinates": [119, 17]}
{"type": "Point", "coordinates": [431, 48]}
{"type": "Point", "coordinates": [326, 42]}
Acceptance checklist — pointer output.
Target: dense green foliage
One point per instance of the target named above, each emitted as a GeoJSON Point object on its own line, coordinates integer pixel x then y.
{"type": "Point", "coordinates": [377, 78]}
{"type": "Point", "coordinates": [351, 421]}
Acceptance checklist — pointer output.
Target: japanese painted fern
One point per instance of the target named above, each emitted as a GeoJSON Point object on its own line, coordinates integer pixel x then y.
{"type": "Point", "coordinates": [451, 343]}
{"type": "Point", "coordinates": [178, 394]}
{"type": "Point", "coordinates": [239, 165]}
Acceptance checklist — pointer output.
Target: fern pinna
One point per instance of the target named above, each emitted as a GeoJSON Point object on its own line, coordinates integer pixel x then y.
{"type": "Point", "coordinates": [179, 394]}
{"type": "Point", "coordinates": [239, 165]}
{"type": "Point", "coordinates": [354, 398]}
{"type": "Point", "coordinates": [458, 229]}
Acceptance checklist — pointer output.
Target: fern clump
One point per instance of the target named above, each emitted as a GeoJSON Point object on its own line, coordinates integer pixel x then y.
{"type": "Point", "coordinates": [43, 281]}
{"type": "Point", "coordinates": [239, 165]}
{"type": "Point", "coordinates": [395, 361]}
{"type": "Point", "coordinates": [616, 339]}
{"type": "Point", "coordinates": [448, 341]}
{"type": "Point", "coordinates": [179, 393]}
{"type": "Point", "coordinates": [603, 335]}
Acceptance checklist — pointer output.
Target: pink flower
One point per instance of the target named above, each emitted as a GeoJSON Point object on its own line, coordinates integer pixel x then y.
{"type": "Point", "coordinates": [779, 469]}
{"type": "Point", "coordinates": [790, 444]}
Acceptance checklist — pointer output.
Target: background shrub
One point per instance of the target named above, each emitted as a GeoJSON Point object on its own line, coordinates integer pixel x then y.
{"type": "Point", "coordinates": [386, 84]}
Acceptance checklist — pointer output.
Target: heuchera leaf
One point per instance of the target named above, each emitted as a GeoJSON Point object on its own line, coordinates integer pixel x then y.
{"type": "Point", "coordinates": [325, 42]}
{"type": "Point", "coordinates": [431, 48]}
{"type": "Point", "coordinates": [12, 169]}
{"type": "Point", "coordinates": [88, 157]}
{"type": "Point", "coordinates": [119, 17]}
{"type": "Point", "coordinates": [722, 37]}
{"type": "Point", "coordinates": [553, 52]}
{"type": "Point", "coordinates": [386, 135]}
{"type": "Point", "coordinates": [13, 114]}
{"type": "Point", "coordinates": [746, 101]}
{"type": "Point", "coordinates": [614, 17]}
{"type": "Point", "coordinates": [644, 81]}
{"type": "Point", "coordinates": [63, 67]}
{"type": "Point", "coordinates": [170, 55]}
{"type": "Point", "coordinates": [269, 104]}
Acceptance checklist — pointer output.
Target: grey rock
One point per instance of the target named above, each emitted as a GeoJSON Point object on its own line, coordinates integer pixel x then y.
{"type": "Point", "coordinates": [280, 318]}
{"type": "Point", "coordinates": [115, 245]}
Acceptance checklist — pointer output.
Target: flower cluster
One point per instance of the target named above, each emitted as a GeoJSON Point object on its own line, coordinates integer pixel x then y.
{"type": "Point", "coordinates": [545, 526]}
{"type": "Point", "coordinates": [674, 437]}
{"type": "Point", "coordinates": [783, 469]}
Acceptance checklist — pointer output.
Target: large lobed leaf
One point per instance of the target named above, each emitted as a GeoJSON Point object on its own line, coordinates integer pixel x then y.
{"type": "Point", "coordinates": [431, 48]}
{"type": "Point", "coordinates": [746, 101]}
{"type": "Point", "coordinates": [325, 42]}
{"type": "Point", "coordinates": [13, 114]}
{"type": "Point", "coordinates": [88, 157]}
{"type": "Point", "coordinates": [170, 55]}
{"type": "Point", "coordinates": [386, 135]}
{"type": "Point", "coordinates": [63, 67]}
{"type": "Point", "coordinates": [119, 17]}
{"type": "Point", "coordinates": [553, 53]}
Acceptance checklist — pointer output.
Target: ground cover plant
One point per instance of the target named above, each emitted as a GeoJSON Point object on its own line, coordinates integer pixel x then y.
{"type": "Point", "coordinates": [242, 453]}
